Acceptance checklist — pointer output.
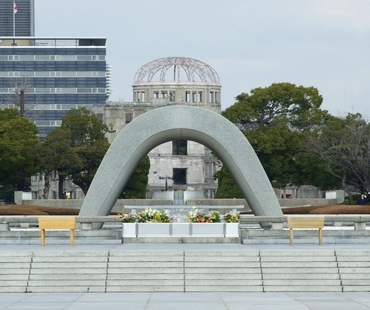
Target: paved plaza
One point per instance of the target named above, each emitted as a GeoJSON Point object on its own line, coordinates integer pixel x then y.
{"type": "Point", "coordinates": [186, 300]}
{"type": "Point", "coordinates": [191, 301]}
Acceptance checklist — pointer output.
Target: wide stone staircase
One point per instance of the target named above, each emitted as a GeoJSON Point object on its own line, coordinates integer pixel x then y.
{"type": "Point", "coordinates": [186, 271]}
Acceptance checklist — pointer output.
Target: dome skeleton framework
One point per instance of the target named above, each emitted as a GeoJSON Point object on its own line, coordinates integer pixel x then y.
{"type": "Point", "coordinates": [193, 68]}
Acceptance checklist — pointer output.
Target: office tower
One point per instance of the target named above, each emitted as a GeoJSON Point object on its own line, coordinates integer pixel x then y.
{"type": "Point", "coordinates": [22, 23]}
{"type": "Point", "coordinates": [57, 74]}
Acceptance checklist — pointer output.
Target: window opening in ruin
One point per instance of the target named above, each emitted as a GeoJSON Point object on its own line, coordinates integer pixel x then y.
{"type": "Point", "coordinates": [179, 175]}
{"type": "Point", "coordinates": [156, 94]}
{"type": "Point", "coordinates": [200, 99]}
{"type": "Point", "coordinates": [164, 94]}
{"type": "Point", "coordinates": [172, 96]}
{"type": "Point", "coordinates": [179, 147]}
{"type": "Point", "coordinates": [194, 96]}
{"type": "Point", "coordinates": [211, 97]}
{"type": "Point", "coordinates": [187, 96]}
{"type": "Point", "coordinates": [128, 117]}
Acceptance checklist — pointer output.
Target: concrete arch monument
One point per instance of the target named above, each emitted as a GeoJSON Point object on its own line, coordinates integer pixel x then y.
{"type": "Point", "coordinates": [180, 122]}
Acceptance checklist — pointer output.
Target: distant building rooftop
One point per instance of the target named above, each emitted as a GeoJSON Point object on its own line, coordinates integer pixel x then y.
{"type": "Point", "coordinates": [59, 41]}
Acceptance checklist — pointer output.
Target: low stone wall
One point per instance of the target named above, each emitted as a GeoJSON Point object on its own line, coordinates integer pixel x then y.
{"type": "Point", "coordinates": [299, 202]}
{"type": "Point", "coordinates": [77, 203]}
{"type": "Point", "coordinates": [119, 206]}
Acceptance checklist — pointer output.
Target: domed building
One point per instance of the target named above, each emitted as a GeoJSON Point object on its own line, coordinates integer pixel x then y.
{"type": "Point", "coordinates": [180, 169]}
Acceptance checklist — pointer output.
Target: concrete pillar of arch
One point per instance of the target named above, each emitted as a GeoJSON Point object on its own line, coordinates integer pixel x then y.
{"type": "Point", "coordinates": [187, 123]}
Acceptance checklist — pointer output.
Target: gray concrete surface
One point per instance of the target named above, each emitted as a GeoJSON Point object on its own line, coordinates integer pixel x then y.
{"type": "Point", "coordinates": [191, 301]}
{"type": "Point", "coordinates": [186, 300]}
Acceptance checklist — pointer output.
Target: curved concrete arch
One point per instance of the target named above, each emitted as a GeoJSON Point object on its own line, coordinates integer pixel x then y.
{"type": "Point", "coordinates": [180, 122]}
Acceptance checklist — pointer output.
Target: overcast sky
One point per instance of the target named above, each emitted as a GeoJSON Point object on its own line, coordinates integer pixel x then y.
{"type": "Point", "coordinates": [250, 43]}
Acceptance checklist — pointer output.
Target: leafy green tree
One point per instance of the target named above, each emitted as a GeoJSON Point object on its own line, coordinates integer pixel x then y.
{"type": "Point", "coordinates": [18, 145]}
{"type": "Point", "coordinates": [227, 187]}
{"type": "Point", "coordinates": [56, 154]}
{"type": "Point", "coordinates": [86, 134]}
{"type": "Point", "coordinates": [297, 106]}
{"type": "Point", "coordinates": [77, 148]}
{"type": "Point", "coordinates": [136, 185]}
{"type": "Point", "coordinates": [313, 170]}
{"type": "Point", "coordinates": [273, 119]}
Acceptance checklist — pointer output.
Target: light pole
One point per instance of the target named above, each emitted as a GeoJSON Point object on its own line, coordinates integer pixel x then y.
{"type": "Point", "coordinates": [165, 178]}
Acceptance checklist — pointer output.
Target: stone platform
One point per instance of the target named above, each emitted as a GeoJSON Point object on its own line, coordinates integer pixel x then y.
{"type": "Point", "coordinates": [183, 268]}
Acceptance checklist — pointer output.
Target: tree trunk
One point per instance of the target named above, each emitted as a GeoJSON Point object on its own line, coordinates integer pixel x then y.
{"type": "Point", "coordinates": [346, 188]}
{"type": "Point", "coordinates": [45, 194]}
{"type": "Point", "coordinates": [61, 193]}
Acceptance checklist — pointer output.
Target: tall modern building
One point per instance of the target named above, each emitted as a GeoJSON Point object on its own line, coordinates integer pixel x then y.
{"type": "Point", "coordinates": [55, 75]}
{"type": "Point", "coordinates": [21, 23]}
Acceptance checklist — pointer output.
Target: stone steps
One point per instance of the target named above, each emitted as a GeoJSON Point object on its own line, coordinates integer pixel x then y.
{"type": "Point", "coordinates": [354, 269]}
{"type": "Point", "coordinates": [300, 271]}
{"type": "Point", "coordinates": [186, 271]}
{"type": "Point", "coordinates": [60, 237]}
{"type": "Point", "coordinates": [330, 236]}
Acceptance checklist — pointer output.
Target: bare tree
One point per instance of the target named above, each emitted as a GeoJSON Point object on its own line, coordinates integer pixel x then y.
{"type": "Point", "coordinates": [21, 85]}
{"type": "Point", "coordinates": [345, 145]}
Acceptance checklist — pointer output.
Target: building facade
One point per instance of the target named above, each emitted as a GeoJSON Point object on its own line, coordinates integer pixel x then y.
{"type": "Point", "coordinates": [21, 23]}
{"type": "Point", "coordinates": [46, 77]}
{"type": "Point", "coordinates": [179, 169]}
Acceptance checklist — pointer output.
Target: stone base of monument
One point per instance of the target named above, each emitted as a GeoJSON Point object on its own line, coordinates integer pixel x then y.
{"type": "Point", "coordinates": [180, 233]}
{"type": "Point", "coordinates": [179, 240]}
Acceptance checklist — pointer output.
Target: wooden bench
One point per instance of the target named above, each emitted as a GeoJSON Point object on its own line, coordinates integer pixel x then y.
{"type": "Point", "coordinates": [58, 223]}
{"type": "Point", "coordinates": [305, 223]}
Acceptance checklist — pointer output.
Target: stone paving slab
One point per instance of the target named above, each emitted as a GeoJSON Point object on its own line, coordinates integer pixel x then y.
{"type": "Point", "coordinates": [182, 301]}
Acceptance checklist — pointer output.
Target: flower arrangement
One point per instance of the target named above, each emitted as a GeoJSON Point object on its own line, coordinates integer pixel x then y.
{"type": "Point", "coordinates": [195, 216]}
{"type": "Point", "coordinates": [153, 216]}
{"type": "Point", "coordinates": [231, 217]}
{"type": "Point", "coordinates": [127, 217]}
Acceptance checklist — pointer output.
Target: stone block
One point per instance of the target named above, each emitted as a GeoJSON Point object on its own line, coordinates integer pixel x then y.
{"type": "Point", "coordinates": [180, 229]}
{"type": "Point", "coordinates": [144, 288]}
{"type": "Point", "coordinates": [153, 229]}
{"type": "Point", "coordinates": [228, 274]}
{"type": "Point", "coordinates": [221, 264]}
{"type": "Point", "coordinates": [357, 288]}
{"type": "Point", "coordinates": [300, 276]}
{"type": "Point", "coordinates": [298, 264]}
{"type": "Point", "coordinates": [302, 288]}
{"type": "Point", "coordinates": [222, 282]}
{"type": "Point", "coordinates": [222, 288]}
{"type": "Point", "coordinates": [303, 282]}
{"type": "Point", "coordinates": [300, 252]}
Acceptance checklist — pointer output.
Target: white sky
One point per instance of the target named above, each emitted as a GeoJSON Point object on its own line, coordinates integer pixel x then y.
{"type": "Point", "coordinates": [250, 43]}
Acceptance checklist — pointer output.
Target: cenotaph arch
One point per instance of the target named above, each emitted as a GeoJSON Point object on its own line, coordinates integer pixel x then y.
{"type": "Point", "coordinates": [187, 123]}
